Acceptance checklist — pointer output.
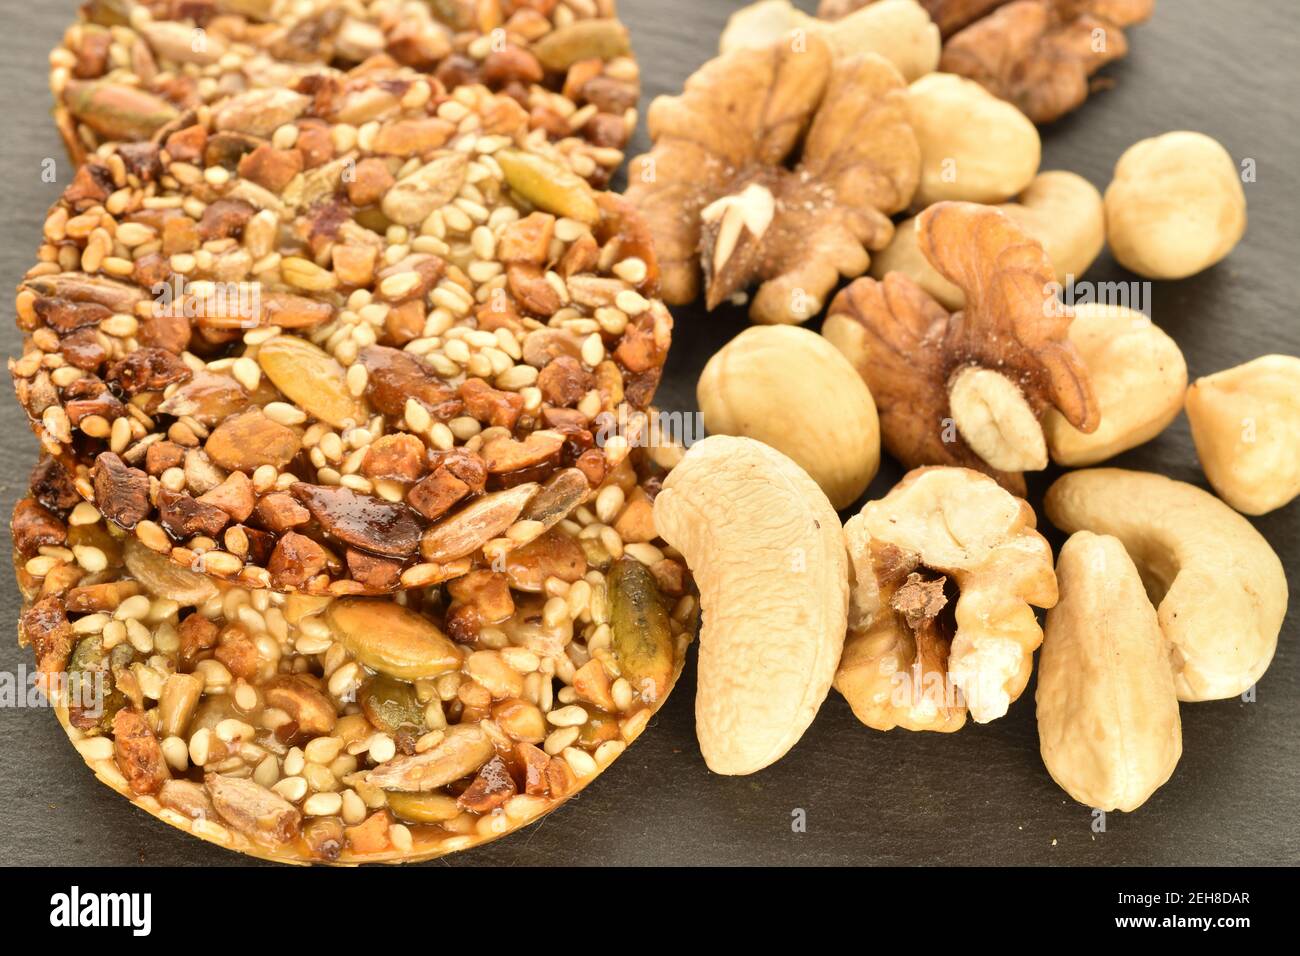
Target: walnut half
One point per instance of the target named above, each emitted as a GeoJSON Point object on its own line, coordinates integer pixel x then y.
{"type": "Point", "coordinates": [777, 166]}
{"type": "Point", "coordinates": [1038, 54]}
{"type": "Point", "coordinates": [1041, 54]}
{"type": "Point", "coordinates": [968, 388]}
{"type": "Point", "coordinates": [945, 570]}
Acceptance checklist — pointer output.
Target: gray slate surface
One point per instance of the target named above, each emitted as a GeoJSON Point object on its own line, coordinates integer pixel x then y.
{"type": "Point", "coordinates": [978, 797]}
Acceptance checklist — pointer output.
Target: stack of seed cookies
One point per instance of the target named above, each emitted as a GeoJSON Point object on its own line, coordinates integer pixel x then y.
{"type": "Point", "coordinates": [340, 547]}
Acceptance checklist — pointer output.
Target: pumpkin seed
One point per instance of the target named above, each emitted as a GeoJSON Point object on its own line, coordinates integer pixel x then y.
{"type": "Point", "coordinates": [312, 379]}
{"type": "Point", "coordinates": [433, 185]}
{"type": "Point", "coordinates": [391, 639]}
{"type": "Point", "coordinates": [117, 111]}
{"type": "Point", "coordinates": [548, 185]}
{"type": "Point", "coordinates": [591, 39]}
{"type": "Point", "coordinates": [423, 807]}
{"type": "Point", "coordinates": [641, 637]}
{"type": "Point", "coordinates": [391, 704]}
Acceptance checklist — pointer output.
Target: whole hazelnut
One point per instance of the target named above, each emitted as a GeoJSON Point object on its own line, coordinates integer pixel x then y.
{"type": "Point", "coordinates": [1175, 206]}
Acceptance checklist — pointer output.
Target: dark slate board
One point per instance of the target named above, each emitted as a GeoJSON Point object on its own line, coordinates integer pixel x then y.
{"type": "Point", "coordinates": [980, 796]}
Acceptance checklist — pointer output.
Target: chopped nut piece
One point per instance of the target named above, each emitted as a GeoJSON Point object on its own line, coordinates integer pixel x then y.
{"type": "Point", "coordinates": [121, 493]}
{"type": "Point", "coordinates": [370, 836]}
{"type": "Point", "coordinates": [247, 440]}
{"type": "Point", "coordinates": [34, 526]}
{"type": "Point", "coordinates": [434, 496]}
{"type": "Point", "coordinates": [301, 700]}
{"type": "Point", "coordinates": [234, 496]}
{"type": "Point", "coordinates": [296, 560]}
{"type": "Point", "coordinates": [137, 752]}
{"type": "Point", "coordinates": [280, 512]}
{"type": "Point", "coordinates": [45, 625]}
{"type": "Point", "coordinates": [252, 809]}
{"type": "Point", "coordinates": [397, 457]}
{"type": "Point", "coordinates": [395, 376]}
{"type": "Point", "coordinates": [237, 650]}
{"type": "Point", "coordinates": [360, 520]}
{"type": "Point", "coordinates": [492, 787]}
{"type": "Point", "coordinates": [185, 517]}
{"type": "Point", "coordinates": [197, 635]}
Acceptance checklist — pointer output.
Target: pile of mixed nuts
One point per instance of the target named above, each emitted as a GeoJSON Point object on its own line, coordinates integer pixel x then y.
{"type": "Point", "coordinates": [354, 537]}
{"type": "Point", "coordinates": [976, 372]}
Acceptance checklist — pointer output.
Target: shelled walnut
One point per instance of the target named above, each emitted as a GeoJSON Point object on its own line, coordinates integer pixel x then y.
{"type": "Point", "coordinates": [777, 167]}
{"type": "Point", "coordinates": [1038, 54]}
{"type": "Point", "coordinates": [945, 569]}
{"type": "Point", "coordinates": [967, 388]}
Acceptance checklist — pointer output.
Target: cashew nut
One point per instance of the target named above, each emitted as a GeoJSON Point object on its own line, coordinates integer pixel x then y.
{"type": "Point", "coordinates": [1138, 375]}
{"type": "Point", "coordinates": [1060, 209]}
{"type": "Point", "coordinates": [791, 389]}
{"type": "Point", "coordinates": [1219, 588]}
{"type": "Point", "coordinates": [768, 556]}
{"type": "Point", "coordinates": [996, 420]}
{"type": "Point", "coordinates": [1175, 206]}
{"type": "Point", "coordinates": [899, 30]}
{"type": "Point", "coordinates": [1246, 425]}
{"type": "Point", "coordinates": [1108, 725]}
{"type": "Point", "coordinates": [974, 146]}
{"type": "Point", "coordinates": [945, 567]}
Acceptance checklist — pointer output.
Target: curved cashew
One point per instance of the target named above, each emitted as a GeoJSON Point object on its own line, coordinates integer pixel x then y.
{"type": "Point", "coordinates": [1138, 375]}
{"type": "Point", "coordinates": [1220, 589]}
{"type": "Point", "coordinates": [1246, 425]}
{"type": "Point", "coordinates": [1108, 724]}
{"type": "Point", "coordinates": [768, 556]}
{"type": "Point", "coordinates": [771, 382]}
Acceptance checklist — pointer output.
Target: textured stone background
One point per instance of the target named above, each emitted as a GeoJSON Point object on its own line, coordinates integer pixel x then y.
{"type": "Point", "coordinates": [978, 797]}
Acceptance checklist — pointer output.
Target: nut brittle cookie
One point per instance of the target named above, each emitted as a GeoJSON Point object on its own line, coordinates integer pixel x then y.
{"type": "Point", "coordinates": [298, 353]}
{"type": "Point", "coordinates": [129, 68]}
{"type": "Point", "coordinates": [352, 730]}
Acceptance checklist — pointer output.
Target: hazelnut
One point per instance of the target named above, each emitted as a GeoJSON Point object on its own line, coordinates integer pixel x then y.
{"type": "Point", "coordinates": [1246, 425]}
{"type": "Point", "coordinates": [974, 146]}
{"type": "Point", "coordinates": [1138, 375]}
{"type": "Point", "coordinates": [899, 30]}
{"type": "Point", "coordinates": [772, 383]}
{"type": "Point", "coordinates": [1175, 206]}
